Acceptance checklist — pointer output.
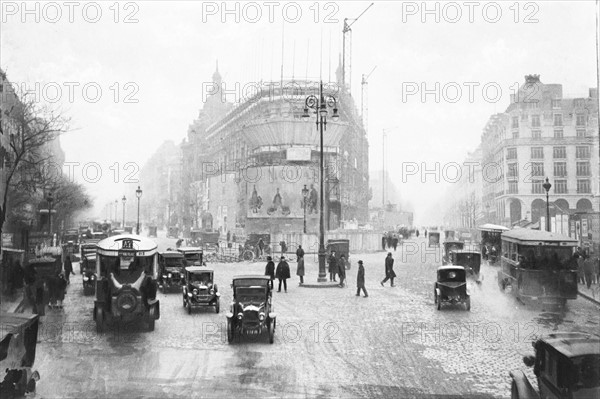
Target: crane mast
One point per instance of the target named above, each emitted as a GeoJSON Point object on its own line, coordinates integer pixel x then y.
{"type": "Point", "coordinates": [364, 99]}
{"type": "Point", "coordinates": [347, 50]}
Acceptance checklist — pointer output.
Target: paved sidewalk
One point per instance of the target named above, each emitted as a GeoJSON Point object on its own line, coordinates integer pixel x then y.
{"type": "Point", "coordinates": [591, 294]}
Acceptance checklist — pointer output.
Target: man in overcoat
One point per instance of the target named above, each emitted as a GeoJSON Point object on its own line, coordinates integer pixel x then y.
{"type": "Point", "coordinates": [300, 267]}
{"type": "Point", "coordinates": [282, 273]}
{"type": "Point", "coordinates": [270, 271]}
{"type": "Point", "coordinates": [360, 280]}
{"type": "Point", "coordinates": [333, 268]}
{"type": "Point", "coordinates": [389, 269]}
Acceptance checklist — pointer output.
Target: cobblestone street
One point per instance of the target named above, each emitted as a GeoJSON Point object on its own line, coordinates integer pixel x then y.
{"type": "Point", "coordinates": [328, 342]}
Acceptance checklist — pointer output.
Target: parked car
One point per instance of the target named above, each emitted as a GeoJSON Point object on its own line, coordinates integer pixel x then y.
{"type": "Point", "coordinates": [88, 271]}
{"type": "Point", "coordinates": [449, 246]}
{"type": "Point", "coordinates": [566, 364]}
{"type": "Point", "coordinates": [451, 287]}
{"type": "Point", "coordinates": [199, 289]}
{"type": "Point", "coordinates": [170, 275]}
{"type": "Point", "coordinates": [251, 311]}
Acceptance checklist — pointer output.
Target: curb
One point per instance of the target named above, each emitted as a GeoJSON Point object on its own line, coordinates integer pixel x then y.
{"type": "Point", "coordinates": [589, 298]}
{"type": "Point", "coordinates": [321, 285]}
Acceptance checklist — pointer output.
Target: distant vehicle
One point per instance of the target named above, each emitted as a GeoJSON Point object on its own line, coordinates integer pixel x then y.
{"type": "Point", "coordinates": [567, 365]}
{"type": "Point", "coordinates": [251, 311]}
{"type": "Point", "coordinates": [127, 281]}
{"type": "Point", "coordinates": [470, 260]}
{"type": "Point", "coordinates": [538, 267]}
{"type": "Point", "coordinates": [434, 238]}
{"type": "Point", "coordinates": [19, 337]}
{"type": "Point", "coordinates": [341, 247]}
{"type": "Point", "coordinates": [199, 289]}
{"type": "Point", "coordinates": [451, 287]}
{"type": "Point", "coordinates": [171, 275]}
{"type": "Point", "coordinates": [451, 245]}
{"type": "Point", "coordinates": [192, 256]}
{"type": "Point", "coordinates": [87, 268]}
{"type": "Point", "coordinates": [36, 290]}
{"type": "Point", "coordinates": [71, 237]}
{"type": "Point", "coordinates": [116, 232]}
{"type": "Point", "coordinates": [491, 241]}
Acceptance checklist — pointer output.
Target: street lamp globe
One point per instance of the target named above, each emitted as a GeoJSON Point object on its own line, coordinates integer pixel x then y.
{"type": "Point", "coordinates": [547, 185]}
{"type": "Point", "coordinates": [138, 192]}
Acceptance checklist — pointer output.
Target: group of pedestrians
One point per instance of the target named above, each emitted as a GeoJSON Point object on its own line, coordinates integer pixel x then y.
{"type": "Point", "coordinates": [337, 267]}
{"type": "Point", "coordinates": [588, 269]}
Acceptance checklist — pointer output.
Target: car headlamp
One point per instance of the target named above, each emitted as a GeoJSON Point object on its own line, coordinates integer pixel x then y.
{"type": "Point", "coordinates": [170, 275]}
{"type": "Point", "coordinates": [261, 316]}
{"type": "Point", "coordinates": [85, 278]}
{"type": "Point", "coordinates": [164, 276]}
{"type": "Point", "coordinates": [93, 277]}
{"type": "Point", "coordinates": [240, 316]}
{"type": "Point", "coordinates": [212, 291]}
{"type": "Point", "coordinates": [195, 291]}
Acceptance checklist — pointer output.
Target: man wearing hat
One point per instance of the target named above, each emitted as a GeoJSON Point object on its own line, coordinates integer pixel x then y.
{"type": "Point", "coordinates": [360, 279]}
{"type": "Point", "coordinates": [270, 271]}
{"type": "Point", "coordinates": [282, 273]}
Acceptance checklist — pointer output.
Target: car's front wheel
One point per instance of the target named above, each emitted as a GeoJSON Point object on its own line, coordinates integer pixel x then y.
{"type": "Point", "coordinates": [217, 306]}
{"type": "Point", "coordinates": [468, 304]}
{"type": "Point", "coordinates": [230, 333]}
{"type": "Point", "coordinates": [514, 392]}
{"type": "Point", "coordinates": [189, 306]}
{"type": "Point", "coordinates": [439, 303]}
{"type": "Point", "coordinates": [100, 320]}
{"type": "Point", "coordinates": [271, 331]}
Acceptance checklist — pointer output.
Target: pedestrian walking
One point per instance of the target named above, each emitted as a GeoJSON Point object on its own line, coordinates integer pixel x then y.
{"type": "Point", "coordinates": [597, 270]}
{"type": "Point", "coordinates": [389, 270]}
{"type": "Point", "coordinates": [580, 274]}
{"type": "Point", "coordinates": [53, 282]}
{"type": "Point", "coordinates": [383, 241]}
{"type": "Point", "coordinates": [395, 241]}
{"type": "Point", "coordinates": [270, 271]}
{"type": "Point", "coordinates": [588, 271]}
{"type": "Point", "coordinates": [68, 267]}
{"type": "Point", "coordinates": [300, 267]}
{"type": "Point", "coordinates": [417, 233]}
{"type": "Point", "coordinates": [283, 247]}
{"type": "Point", "coordinates": [425, 233]}
{"type": "Point", "coordinates": [333, 270]}
{"type": "Point", "coordinates": [261, 246]}
{"type": "Point", "coordinates": [228, 235]}
{"type": "Point", "coordinates": [360, 280]}
{"type": "Point", "coordinates": [282, 273]}
{"type": "Point", "coordinates": [342, 270]}
{"type": "Point", "coordinates": [61, 290]}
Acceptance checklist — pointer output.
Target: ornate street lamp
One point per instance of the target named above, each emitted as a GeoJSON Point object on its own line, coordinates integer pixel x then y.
{"type": "Point", "coordinates": [124, 200]}
{"type": "Point", "coordinates": [304, 200]}
{"type": "Point", "coordinates": [547, 186]}
{"type": "Point", "coordinates": [138, 194]}
{"type": "Point", "coordinates": [319, 105]}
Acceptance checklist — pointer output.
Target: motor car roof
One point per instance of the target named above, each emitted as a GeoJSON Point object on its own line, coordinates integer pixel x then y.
{"type": "Point", "coordinates": [171, 254]}
{"type": "Point", "coordinates": [450, 267]}
{"type": "Point", "coordinates": [43, 259]}
{"type": "Point", "coordinates": [189, 249]}
{"type": "Point", "coordinates": [492, 227]}
{"type": "Point", "coordinates": [198, 269]}
{"type": "Point", "coordinates": [466, 251]}
{"type": "Point", "coordinates": [537, 237]}
{"type": "Point", "coordinates": [572, 344]}
{"type": "Point", "coordinates": [112, 245]}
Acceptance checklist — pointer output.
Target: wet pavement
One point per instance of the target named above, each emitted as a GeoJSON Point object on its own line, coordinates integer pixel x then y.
{"type": "Point", "coordinates": [328, 342]}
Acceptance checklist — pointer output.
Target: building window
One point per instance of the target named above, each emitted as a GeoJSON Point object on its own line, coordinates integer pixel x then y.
{"type": "Point", "coordinates": [536, 187]}
{"type": "Point", "coordinates": [537, 169]}
{"type": "Point", "coordinates": [535, 121]}
{"type": "Point", "coordinates": [513, 187]}
{"type": "Point", "coordinates": [579, 102]}
{"type": "Point", "coordinates": [537, 152]}
{"type": "Point", "coordinates": [556, 103]}
{"type": "Point", "coordinates": [583, 169]}
{"type": "Point", "coordinates": [560, 169]}
{"type": "Point", "coordinates": [513, 170]}
{"type": "Point", "coordinates": [515, 122]}
{"type": "Point", "coordinates": [515, 134]}
{"type": "Point", "coordinates": [583, 186]}
{"type": "Point", "coordinates": [558, 134]}
{"type": "Point", "coordinates": [558, 120]}
{"type": "Point", "coordinates": [581, 133]}
{"type": "Point", "coordinates": [560, 187]}
{"type": "Point", "coordinates": [534, 104]}
{"type": "Point", "coordinates": [536, 134]}
{"type": "Point", "coordinates": [582, 152]}
{"type": "Point", "coordinates": [580, 121]}
{"type": "Point", "coordinates": [560, 152]}
{"type": "Point", "coordinates": [511, 153]}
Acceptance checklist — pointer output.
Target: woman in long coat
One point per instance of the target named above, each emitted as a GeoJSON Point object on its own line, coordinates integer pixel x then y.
{"type": "Point", "coordinates": [300, 269]}
{"type": "Point", "coordinates": [270, 270]}
{"type": "Point", "coordinates": [333, 268]}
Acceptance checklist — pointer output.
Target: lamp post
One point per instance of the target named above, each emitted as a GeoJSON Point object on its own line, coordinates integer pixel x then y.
{"type": "Point", "coordinates": [116, 210]}
{"type": "Point", "coordinates": [319, 105]}
{"type": "Point", "coordinates": [50, 199]}
{"type": "Point", "coordinates": [138, 194]}
{"type": "Point", "coordinates": [547, 186]}
{"type": "Point", "coordinates": [304, 200]}
{"type": "Point", "coordinates": [124, 200]}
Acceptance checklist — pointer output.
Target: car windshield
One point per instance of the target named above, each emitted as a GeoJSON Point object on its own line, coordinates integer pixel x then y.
{"type": "Point", "coordinates": [124, 265]}
{"type": "Point", "coordinates": [202, 278]}
{"type": "Point", "coordinates": [546, 257]}
{"type": "Point", "coordinates": [193, 257]}
{"type": "Point", "coordinates": [250, 294]}
{"type": "Point", "coordinates": [451, 275]}
{"type": "Point", "coordinates": [173, 262]}
{"type": "Point", "coordinates": [470, 260]}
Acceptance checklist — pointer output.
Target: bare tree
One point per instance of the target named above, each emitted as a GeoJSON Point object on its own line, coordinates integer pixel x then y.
{"type": "Point", "coordinates": [31, 128]}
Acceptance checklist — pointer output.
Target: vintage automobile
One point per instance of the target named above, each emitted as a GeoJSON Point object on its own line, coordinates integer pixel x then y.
{"type": "Point", "coordinates": [538, 267]}
{"type": "Point", "coordinates": [86, 249]}
{"type": "Point", "coordinates": [71, 237]}
{"type": "Point", "coordinates": [192, 256]}
{"type": "Point", "coordinates": [19, 334]}
{"type": "Point", "coordinates": [251, 311]}
{"type": "Point", "coordinates": [37, 273]}
{"type": "Point", "coordinates": [170, 274]}
{"type": "Point", "coordinates": [199, 289]}
{"type": "Point", "coordinates": [127, 269]}
{"type": "Point", "coordinates": [490, 240]}
{"type": "Point", "coordinates": [152, 231]}
{"type": "Point", "coordinates": [451, 245]}
{"type": "Point", "coordinates": [470, 260]}
{"type": "Point", "coordinates": [566, 364]}
{"type": "Point", "coordinates": [451, 287]}
{"type": "Point", "coordinates": [434, 239]}
{"type": "Point", "coordinates": [341, 247]}
{"type": "Point", "coordinates": [88, 272]}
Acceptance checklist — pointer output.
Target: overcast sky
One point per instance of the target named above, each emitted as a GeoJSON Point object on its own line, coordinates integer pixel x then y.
{"type": "Point", "coordinates": [168, 50]}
